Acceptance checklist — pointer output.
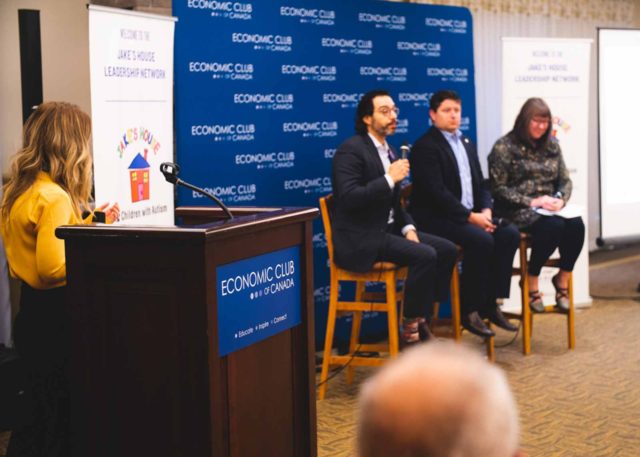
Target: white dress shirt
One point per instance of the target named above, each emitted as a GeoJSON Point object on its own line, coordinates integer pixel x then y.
{"type": "Point", "coordinates": [383, 152]}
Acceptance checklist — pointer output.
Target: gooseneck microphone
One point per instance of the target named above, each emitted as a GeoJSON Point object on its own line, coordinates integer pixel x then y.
{"type": "Point", "coordinates": [404, 150]}
{"type": "Point", "coordinates": [170, 171]}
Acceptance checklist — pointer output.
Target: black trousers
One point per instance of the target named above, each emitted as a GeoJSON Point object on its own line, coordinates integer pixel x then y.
{"type": "Point", "coordinates": [430, 265]}
{"type": "Point", "coordinates": [551, 232]}
{"type": "Point", "coordinates": [41, 337]}
{"type": "Point", "coordinates": [486, 261]}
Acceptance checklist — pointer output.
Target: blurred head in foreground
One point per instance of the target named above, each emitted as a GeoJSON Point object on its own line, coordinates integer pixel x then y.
{"type": "Point", "coordinates": [438, 400]}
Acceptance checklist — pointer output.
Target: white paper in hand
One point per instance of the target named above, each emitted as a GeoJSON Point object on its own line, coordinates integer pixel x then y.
{"type": "Point", "coordinates": [568, 211]}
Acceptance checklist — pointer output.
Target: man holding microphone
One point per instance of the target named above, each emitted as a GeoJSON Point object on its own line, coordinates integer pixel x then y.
{"type": "Point", "coordinates": [370, 225]}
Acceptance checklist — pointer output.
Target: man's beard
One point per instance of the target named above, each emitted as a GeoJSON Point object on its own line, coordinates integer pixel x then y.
{"type": "Point", "coordinates": [386, 129]}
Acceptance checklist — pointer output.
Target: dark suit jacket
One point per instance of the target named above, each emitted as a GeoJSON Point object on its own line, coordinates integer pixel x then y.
{"type": "Point", "coordinates": [436, 180]}
{"type": "Point", "coordinates": [363, 200]}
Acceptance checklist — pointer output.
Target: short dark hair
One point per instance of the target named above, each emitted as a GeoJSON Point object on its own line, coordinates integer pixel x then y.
{"type": "Point", "coordinates": [533, 107]}
{"type": "Point", "coordinates": [365, 108]}
{"type": "Point", "coordinates": [442, 95]}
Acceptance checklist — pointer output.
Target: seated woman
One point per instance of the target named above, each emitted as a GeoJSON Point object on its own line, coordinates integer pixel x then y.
{"type": "Point", "coordinates": [527, 172]}
{"type": "Point", "coordinates": [49, 185]}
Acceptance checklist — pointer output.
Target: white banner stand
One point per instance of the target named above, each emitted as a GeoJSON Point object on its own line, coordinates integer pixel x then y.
{"type": "Point", "coordinates": [131, 59]}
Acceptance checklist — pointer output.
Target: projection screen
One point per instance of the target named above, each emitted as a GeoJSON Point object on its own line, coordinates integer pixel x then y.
{"type": "Point", "coordinates": [619, 151]}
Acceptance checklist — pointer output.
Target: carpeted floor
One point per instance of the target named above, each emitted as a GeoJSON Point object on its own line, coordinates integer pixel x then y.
{"type": "Point", "coordinates": [584, 402]}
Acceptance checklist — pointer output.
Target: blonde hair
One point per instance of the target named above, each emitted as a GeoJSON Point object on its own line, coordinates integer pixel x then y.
{"type": "Point", "coordinates": [55, 140]}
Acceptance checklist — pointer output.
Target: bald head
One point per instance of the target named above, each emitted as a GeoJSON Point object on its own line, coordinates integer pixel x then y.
{"type": "Point", "coordinates": [438, 400]}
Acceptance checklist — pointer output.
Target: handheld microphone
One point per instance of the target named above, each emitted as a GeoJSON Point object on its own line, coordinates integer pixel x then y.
{"type": "Point", "coordinates": [170, 171]}
{"type": "Point", "coordinates": [404, 150]}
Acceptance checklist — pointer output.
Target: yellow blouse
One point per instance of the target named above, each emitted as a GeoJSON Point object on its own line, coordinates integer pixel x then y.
{"type": "Point", "coordinates": [34, 253]}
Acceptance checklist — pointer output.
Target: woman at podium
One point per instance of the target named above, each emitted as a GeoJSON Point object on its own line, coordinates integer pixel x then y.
{"type": "Point", "coordinates": [49, 186]}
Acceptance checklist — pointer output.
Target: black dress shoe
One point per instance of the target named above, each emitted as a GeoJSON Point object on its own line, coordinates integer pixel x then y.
{"type": "Point", "coordinates": [425, 332]}
{"type": "Point", "coordinates": [475, 325]}
{"type": "Point", "coordinates": [496, 317]}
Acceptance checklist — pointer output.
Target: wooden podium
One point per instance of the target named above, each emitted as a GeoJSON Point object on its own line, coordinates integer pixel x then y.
{"type": "Point", "coordinates": [146, 375]}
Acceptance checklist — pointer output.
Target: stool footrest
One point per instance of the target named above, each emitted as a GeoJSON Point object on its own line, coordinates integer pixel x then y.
{"type": "Point", "coordinates": [357, 361]}
{"type": "Point", "coordinates": [379, 347]}
{"type": "Point", "coordinates": [361, 306]}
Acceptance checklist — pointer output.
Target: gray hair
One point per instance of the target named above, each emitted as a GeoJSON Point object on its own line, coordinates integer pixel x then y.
{"type": "Point", "coordinates": [438, 400]}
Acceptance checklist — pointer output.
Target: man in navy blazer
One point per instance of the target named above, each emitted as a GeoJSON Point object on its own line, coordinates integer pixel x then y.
{"type": "Point", "coordinates": [370, 225]}
{"type": "Point", "coordinates": [450, 198]}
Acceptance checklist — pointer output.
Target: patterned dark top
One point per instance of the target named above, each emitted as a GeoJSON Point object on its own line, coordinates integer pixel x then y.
{"type": "Point", "coordinates": [518, 174]}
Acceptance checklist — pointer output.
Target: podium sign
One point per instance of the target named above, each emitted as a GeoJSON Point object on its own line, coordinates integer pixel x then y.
{"type": "Point", "coordinates": [257, 298]}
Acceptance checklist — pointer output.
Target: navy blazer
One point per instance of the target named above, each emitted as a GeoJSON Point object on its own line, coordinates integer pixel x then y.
{"type": "Point", "coordinates": [362, 203]}
{"type": "Point", "coordinates": [436, 180]}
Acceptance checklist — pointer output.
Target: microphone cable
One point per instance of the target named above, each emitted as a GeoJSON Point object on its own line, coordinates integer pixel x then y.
{"type": "Point", "coordinates": [511, 341]}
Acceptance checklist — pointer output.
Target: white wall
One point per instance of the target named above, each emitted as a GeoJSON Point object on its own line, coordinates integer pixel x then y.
{"type": "Point", "coordinates": [65, 62]}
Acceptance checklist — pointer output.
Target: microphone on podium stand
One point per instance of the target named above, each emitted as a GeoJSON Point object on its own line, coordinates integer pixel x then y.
{"type": "Point", "coordinates": [404, 150]}
{"type": "Point", "coordinates": [170, 171]}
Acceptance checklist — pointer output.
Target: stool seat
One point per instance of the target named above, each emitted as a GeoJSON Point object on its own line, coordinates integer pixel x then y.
{"type": "Point", "coordinates": [384, 266]}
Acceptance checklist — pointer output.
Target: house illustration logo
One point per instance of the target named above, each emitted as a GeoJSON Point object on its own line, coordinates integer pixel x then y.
{"type": "Point", "coordinates": [136, 144]}
{"type": "Point", "coordinates": [139, 177]}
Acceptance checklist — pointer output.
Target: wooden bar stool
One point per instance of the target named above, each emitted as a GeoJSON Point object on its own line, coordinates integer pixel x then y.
{"type": "Point", "coordinates": [385, 272]}
{"type": "Point", "coordinates": [526, 315]}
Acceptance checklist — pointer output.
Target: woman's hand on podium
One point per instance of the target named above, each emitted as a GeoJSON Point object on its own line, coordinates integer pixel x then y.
{"type": "Point", "coordinates": [111, 212]}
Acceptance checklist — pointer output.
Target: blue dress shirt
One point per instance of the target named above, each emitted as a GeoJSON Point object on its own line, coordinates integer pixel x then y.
{"type": "Point", "coordinates": [455, 141]}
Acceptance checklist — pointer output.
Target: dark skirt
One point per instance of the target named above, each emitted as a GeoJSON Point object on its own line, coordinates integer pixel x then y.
{"type": "Point", "coordinates": [41, 337]}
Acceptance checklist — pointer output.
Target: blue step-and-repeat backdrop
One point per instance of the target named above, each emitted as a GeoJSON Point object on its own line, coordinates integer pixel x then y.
{"type": "Point", "coordinates": [266, 91]}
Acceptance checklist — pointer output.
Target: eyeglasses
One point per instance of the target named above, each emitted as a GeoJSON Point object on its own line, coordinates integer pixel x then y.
{"type": "Point", "coordinates": [386, 110]}
{"type": "Point", "coordinates": [541, 122]}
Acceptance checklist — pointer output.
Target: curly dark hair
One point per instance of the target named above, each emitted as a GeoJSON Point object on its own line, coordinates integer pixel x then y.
{"type": "Point", "coordinates": [365, 108]}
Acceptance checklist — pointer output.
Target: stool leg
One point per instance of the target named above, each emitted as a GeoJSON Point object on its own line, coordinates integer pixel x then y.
{"type": "Point", "coordinates": [328, 341]}
{"type": "Point", "coordinates": [491, 347]}
{"type": "Point", "coordinates": [527, 320]}
{"type": "Point", "coordinates": [571, 316]}
{"type": "Point", "coordinates": [400, 297]}
{"type": "Point", "coordinates": [436, 313]}
{"type": "Point", "coordinates": [392, 314]}
{"type": "Point", "coordinates": [455, 303]}
{"type": "Point", "coordinates": [356, 324]}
